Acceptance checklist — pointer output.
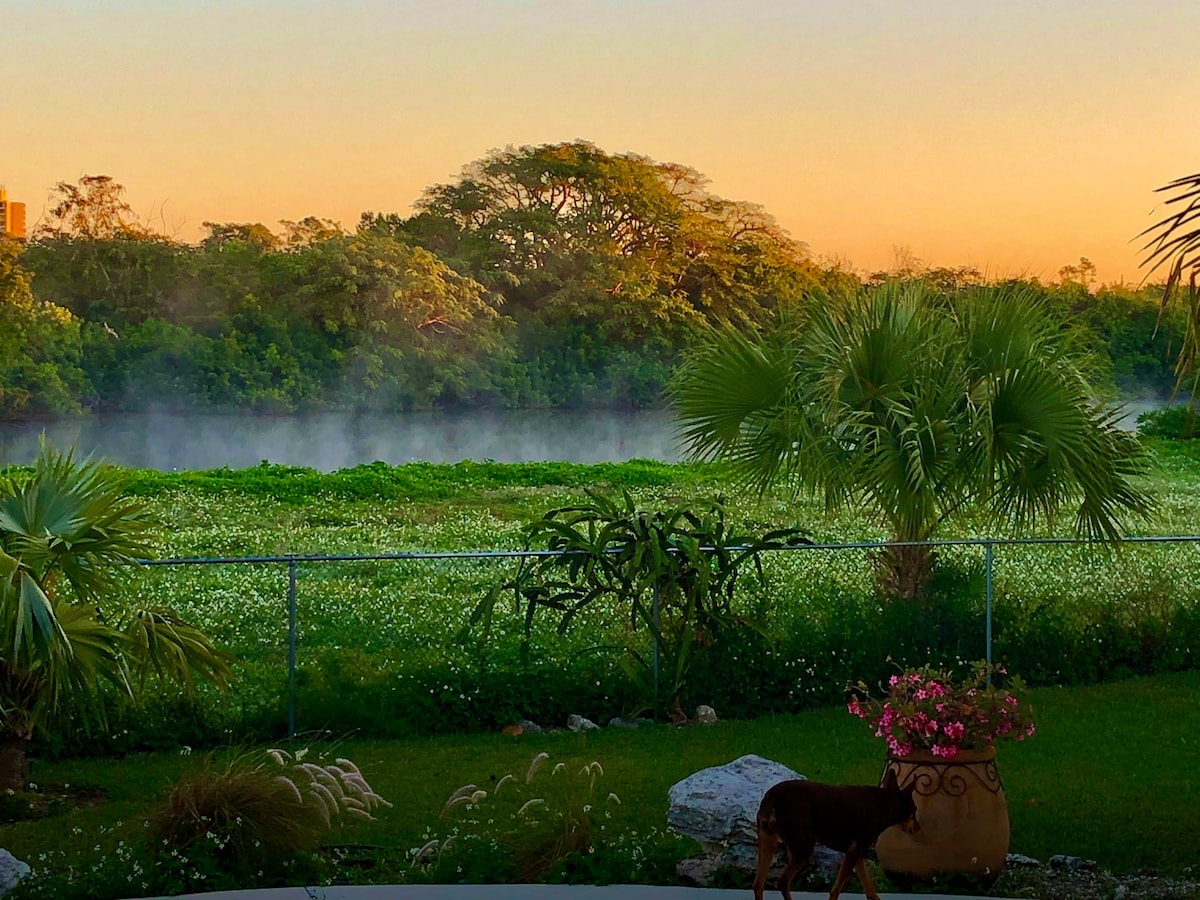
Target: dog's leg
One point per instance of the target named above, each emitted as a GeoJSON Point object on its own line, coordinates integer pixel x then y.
{"type": "Point", "coordinates": [798, 855]}
{"type": "Point", "coordinates": [767, 842]}
{"type": "Point", "coordinates": [849, 859]}
{"type": "Point", "coordinates": [865, 877]}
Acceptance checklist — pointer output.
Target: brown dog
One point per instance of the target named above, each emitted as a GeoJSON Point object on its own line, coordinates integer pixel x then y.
{"type": "Point", "coordinates": [847, 818]}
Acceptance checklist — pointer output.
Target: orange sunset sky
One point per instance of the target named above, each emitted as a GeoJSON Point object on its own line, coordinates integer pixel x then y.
{"type": "Point", "coordinates": [1014, 136]}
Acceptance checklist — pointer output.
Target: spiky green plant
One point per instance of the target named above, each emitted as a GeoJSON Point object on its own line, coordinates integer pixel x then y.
{"type": "Point", "coordinates": [68, 539]}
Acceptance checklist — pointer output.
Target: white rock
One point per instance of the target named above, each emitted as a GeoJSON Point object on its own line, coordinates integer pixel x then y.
{"type": "Point", "coordinates": [12, 870]}
{"type": "Point", "coordinates": [717, 806]}
{"type": "Point", "coordinates": [706, 715]}
{"type": "Point", "coordinates": [579, 723]}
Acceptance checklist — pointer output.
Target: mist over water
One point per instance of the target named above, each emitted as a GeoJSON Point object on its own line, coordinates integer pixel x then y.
{"type": "Point", "coordinates": [338, 440]}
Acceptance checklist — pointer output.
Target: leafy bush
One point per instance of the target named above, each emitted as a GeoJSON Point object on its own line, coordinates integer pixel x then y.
{"type": "Point", "coordinates": [1174, 422]}
{"type": "Point", "coordinates": [671, 572]}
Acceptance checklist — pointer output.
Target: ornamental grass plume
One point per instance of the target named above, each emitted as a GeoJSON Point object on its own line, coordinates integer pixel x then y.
{"type": "Point", "coordinates": [260, 814]}
{"type": "Point", "coordinates": [535, 822]}
{"type": "Point", "coordinates": [927, 709]}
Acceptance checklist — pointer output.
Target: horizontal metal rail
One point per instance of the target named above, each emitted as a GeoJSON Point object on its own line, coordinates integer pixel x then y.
{"type": "Point", "coordinates": [515, 554]}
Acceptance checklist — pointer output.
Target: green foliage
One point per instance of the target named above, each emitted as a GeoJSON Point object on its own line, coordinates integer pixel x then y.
{"type": "Point", "coordinates": [377, 650]}
{"type": "Point", "coordinates": [924, 408]}
{"type": "Point", "coordinates": [256, 817]}
{"type": "Point", "coordinates": [549, 275]}
{"type": "Point", "coordinates": [1173, 422]}
{"type": "Point", "coordinates": [414, 482]}
{"type": "Point", "coordinates": [670, 572]}
{"type": "Point", "coordinates": [1063, 796]}
{"type": "Point", "coordinates": [39, 345]}
{"type": "Point", "coordinates": [534, 822]}
{"type": "Point", "coordinates": [67, 538]}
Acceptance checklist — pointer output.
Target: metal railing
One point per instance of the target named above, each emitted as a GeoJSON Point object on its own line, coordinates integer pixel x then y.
{"type": "Point", "coordinates": [294, 561]}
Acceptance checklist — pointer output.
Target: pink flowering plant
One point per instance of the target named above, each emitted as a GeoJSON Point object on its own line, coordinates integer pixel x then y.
{"type": "Point", "coordinates": [927, 709]}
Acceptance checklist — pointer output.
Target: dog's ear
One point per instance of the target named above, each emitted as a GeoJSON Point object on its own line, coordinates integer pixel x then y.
{"type": "Point", "coordinates": [889, 781]}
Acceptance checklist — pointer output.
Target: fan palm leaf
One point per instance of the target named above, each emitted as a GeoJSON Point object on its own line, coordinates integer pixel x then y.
{"type": "Point", "coordinates": [68, 539]}
{"type": "Point", "coordinates": [918, 405]}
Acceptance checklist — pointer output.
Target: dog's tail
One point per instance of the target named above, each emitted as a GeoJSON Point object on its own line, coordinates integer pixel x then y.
{"type": "Point", "coordinates": [765, 820]}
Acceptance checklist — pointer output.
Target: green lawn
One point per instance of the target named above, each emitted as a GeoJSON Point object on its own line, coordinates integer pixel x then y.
{"type": "Point", "coordinates": [1110, 775]}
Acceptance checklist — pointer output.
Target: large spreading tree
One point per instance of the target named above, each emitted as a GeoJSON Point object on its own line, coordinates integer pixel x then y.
{"type": "Point", "coordinates": [922, 407]}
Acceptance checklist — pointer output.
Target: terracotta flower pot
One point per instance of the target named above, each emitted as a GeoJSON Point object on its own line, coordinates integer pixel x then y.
{"type": "Point", "coordinates": [962, 813]}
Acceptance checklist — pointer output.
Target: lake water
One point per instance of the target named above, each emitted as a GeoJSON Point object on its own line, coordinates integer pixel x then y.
{"type": "Point", "coordinates": [336, 440]}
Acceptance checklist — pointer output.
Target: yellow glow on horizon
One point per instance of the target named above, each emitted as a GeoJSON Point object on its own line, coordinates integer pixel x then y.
{"type": "Point", "coordinates": [1014, 139]}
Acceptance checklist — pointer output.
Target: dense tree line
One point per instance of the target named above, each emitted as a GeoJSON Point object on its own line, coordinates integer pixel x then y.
{"type": "Point", "coordinates": [555, 275]}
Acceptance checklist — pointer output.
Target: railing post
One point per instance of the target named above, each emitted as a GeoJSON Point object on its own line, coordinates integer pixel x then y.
{"type": "Point", "coordinates": [654, 649]}
{"type": "Point", "coordinates": [291, 649]}
{"type": "Point", "coordinates": [987, 563]}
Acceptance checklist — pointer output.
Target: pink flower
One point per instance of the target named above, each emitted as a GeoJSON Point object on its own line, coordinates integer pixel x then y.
{"type": "Point", "coordinates": [898, 748]}
{"type": "Point", "coordinates": [855, 709]}
{"type": "Point", "coordinates": [894, 680]}
{"type": "Point", "coordinates": [954, 730]}
{"type": "Point", "coordinates": [946, 751]}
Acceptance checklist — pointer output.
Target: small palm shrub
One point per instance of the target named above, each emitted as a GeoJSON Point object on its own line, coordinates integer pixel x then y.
{"type": "Point", "coordinates": [257, 817]}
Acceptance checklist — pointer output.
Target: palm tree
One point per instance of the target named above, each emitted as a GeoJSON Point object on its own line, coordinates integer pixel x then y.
{"type": "Point", "coordinates": [1175, 242]}
{"type": "Point", "coordinates": [920, 407]}
{"type": "Point", "coordinates": [67, 539]}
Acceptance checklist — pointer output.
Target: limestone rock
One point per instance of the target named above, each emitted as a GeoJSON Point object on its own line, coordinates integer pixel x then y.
{"type": "Point", "coordinates": [1020, 861]}
{"type": "Point", "coordinates": [717, 806]}
{"type": "Point", "coordinates": [579, 723]}
{"type": "Point", "coordinates": [528, 727]}
{"type": "Point", "coordinates": [12, 870]}
{"type": "Point", "coordinates": [706, 715]}
{"type": "Point", "coordinates": [1072, 863]}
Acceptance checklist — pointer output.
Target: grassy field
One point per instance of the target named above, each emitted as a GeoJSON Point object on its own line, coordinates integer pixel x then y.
{"type": "Point", "coordinates": [372, 627]}
{"type": "Point", "coordinates": [1108, 776]}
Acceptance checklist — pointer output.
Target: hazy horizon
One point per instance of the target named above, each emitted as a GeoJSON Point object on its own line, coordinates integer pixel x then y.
{"type": "Point", "coordinates": [1014, 138]}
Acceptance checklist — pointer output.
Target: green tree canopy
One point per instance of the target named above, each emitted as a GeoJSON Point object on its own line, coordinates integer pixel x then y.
{"type": "Point", "coordinates": [922, 407]}
{"type": "Point", "coordinates": [39, 345]}
{"type": "Point", "coordinates": [567, 230]}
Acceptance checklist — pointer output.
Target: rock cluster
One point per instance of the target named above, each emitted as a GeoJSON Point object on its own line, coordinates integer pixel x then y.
{"type": "Point", "coordinates": [705, 715]}
{"type": "Point", "coordinates": [717, 806]}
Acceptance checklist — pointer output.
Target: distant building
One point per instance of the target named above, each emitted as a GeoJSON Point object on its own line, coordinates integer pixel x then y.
{"type": "Point", "coordinates": [12, 217]}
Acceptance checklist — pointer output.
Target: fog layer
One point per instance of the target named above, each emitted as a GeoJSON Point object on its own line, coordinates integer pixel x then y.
{"type": "Point", "coordinates": [337, 440]}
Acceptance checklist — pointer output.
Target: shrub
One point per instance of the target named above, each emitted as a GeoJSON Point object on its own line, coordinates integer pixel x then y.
{"type": "Point", "coordinates": [524, 827]}
{"type": "Point", "coordinates": [1175, 422]}
{"type": "Point", "coordinates": [256, 817]}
